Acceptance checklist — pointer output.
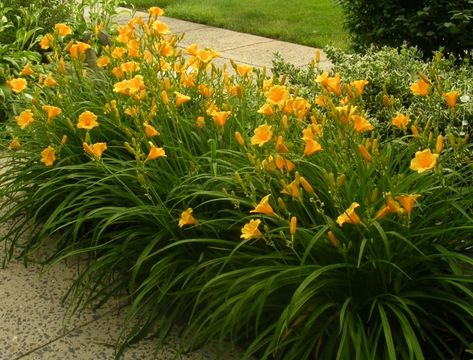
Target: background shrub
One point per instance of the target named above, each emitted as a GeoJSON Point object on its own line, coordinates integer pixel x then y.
{"type": "Point", "coordinates": [428, 24]}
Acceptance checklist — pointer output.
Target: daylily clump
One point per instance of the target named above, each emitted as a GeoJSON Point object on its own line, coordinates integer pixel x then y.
{"type": "Point", "coordinates": [190, 172]}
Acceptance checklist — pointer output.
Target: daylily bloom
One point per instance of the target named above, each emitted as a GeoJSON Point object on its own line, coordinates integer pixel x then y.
{"type": "Point", "coordinates": [75, 50]}
{"type": "Point", "coordinates": [103, 61]}
{"type": "Point", "coordinates": [400, 121]}
{"type": "Point", "coordinates": [52, 111]}
{"type": "Point", "coordinates": [250, 230]}
{"type": "Point", "coordinates": [205, 91]}
{"type": "Point", "coordinates": [333, 84]}
{"type": "Point", "coordinates": [266, 109]}
{"type": "Point", "coordinates": [262, 134]}
{"type": "Point", "coordinates": [311, 146]}
{"type": "Point", "coordinates": [359, 85]}
{"type": "Point", "coordinates": [291, 189]}
{"type": "Point", "coordinates": [46, 41]}
{"type": "Point", "coordinates": [423, 161]}
{"type": "Point", "coordinates": [451, 98]}
{"type": "Point", "coordinates": [263, 207]}
{"type": "Point", "coordinates": [17, 85]}
{"type": "Point", "coordinates": [155, 11]}
{"type": "Point", "coordinates": [49, 81]}
{"type": "Point", "coordinates": [24, 119]}
{"type": "Point", "coordinates": [181, 98]}
{"type": "Point", "coordinates": [150, 130]}
{"type": "Point", "coordinates": [221, 117]}
{"type": "Point", "coordinates": [187, 218]}
{"type": "Point", "coordinates": [48, 156]}
{"type": "Point", "coordinates": [27, 70]}
{"type": "Point", "coordinates": [349, 216]}
{"type": "Point", "coordinates": [160, 28]}
{"type": "Point", "coordinates": [407, 201]}
{"type": "Point", "coordinates": [361, 124]}
{"type": "Point", "coordinates": [243, 70]}
{"type": "Point", "coordinates": [118, 52]}
{"type": "Point", "coordinates": [62, 29]}
{"type": "Point", "coordinates": [87, 120]}
{"type": "Point", "coordinates": [420, 87]}
{"type": "Point", "coordinates": [96, 149]}
{"type": "Point", "coordinates": [277, 95]}
{"type": "Point", "coordinates": [155, 152]}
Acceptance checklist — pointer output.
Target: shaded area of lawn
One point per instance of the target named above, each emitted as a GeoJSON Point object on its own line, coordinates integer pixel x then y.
{"type": "Point", "coordinates": [309, 22]}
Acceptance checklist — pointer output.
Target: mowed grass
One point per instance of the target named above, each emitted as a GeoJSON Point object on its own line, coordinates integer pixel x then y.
{"type": "Point", "coordinates": [310, 22]}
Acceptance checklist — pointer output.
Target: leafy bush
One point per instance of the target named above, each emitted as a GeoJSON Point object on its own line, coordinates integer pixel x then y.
{"type": "Point", "coordinates": [428, 24]}
{"type": "Point", "coordinates": [390, 74]}
{"type": "Point", "coordinates": [247, 208]}
{"type": "Point", "coordinates": [45, 12]}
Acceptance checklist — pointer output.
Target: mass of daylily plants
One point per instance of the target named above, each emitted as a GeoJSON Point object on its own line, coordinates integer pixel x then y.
{"type": "Point", "coordinates": [226, 202]}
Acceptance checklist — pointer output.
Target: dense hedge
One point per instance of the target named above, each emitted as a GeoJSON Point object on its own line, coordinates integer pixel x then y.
{"type": "Point", "coordinates": [428, 24]}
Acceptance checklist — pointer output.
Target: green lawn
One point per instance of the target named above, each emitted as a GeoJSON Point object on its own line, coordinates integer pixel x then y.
{"type": "Point", "coordinates": [310, 22]}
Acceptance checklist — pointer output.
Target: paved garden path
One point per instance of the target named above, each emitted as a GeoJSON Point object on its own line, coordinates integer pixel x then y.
{"type": "Point", "coordinates": [34, 325]}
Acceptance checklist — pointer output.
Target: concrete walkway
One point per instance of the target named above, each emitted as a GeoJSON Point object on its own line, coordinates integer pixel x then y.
{"type": "Point", "coordinates": [243, 48]}
{"type": "Point", "coordinates": [34, 324]}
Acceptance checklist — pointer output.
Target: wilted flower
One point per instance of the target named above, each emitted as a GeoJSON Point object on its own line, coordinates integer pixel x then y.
{"type": "Point", "coordinates": [250, 230]}
{"type": "Point", "coordinates": [17, 85]}
{"type": "Point", "coordinates": [263, 207]}
{"type": "Point", "coordinates": [24, 119]}
{"type": "Point", "coordinates": [424, 160]}
{"type": "Point", "coordinates": [349, 216]}
{"type": "Point", "coordinates": [187, 218]}
{"type": "Point", "coordinates": [291, 189]}
{"type": "Point", "coordinates": [262, 134]}
{"type": "Point", "coordinates": [87, 120]}
{"type": "Point", "coordinates": [14, 144]}
{"type": "Point", "coordinates": [48, 156]}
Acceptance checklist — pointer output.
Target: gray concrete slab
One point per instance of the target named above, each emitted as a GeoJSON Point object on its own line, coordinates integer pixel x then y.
{"type": "Point", "coordinates": [31, 313]}
{"type": "Point", "coordinates": [221, 39]}
{"type": "Point", "coordinates": [262, 54]}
